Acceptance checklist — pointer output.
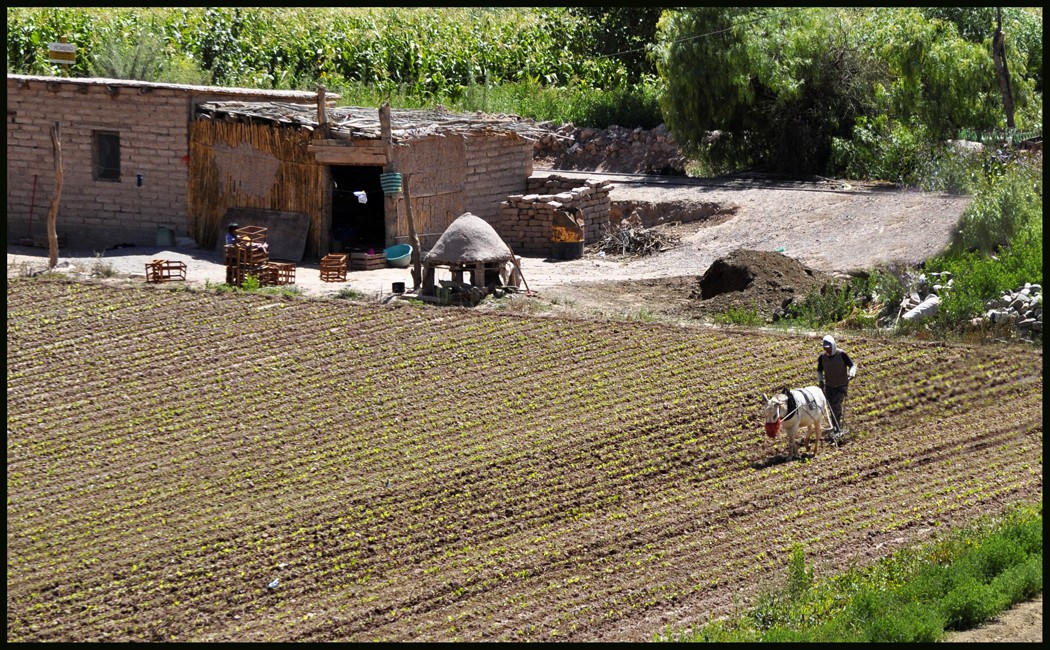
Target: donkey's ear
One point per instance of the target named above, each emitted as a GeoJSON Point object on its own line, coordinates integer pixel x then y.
{"type": "Point", "coordinates": [765, 398]}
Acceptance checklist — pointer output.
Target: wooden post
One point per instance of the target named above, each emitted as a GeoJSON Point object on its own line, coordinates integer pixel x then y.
{"type": "Point", "coordinates": [417, 272]}
{"type": "Point", "coordinates": [322, 112]}
{"type": "Point", "coordinates": [384, 123]}
{"type": "Point", "coordinates": [52, 213]}
{"type": "Point", "coordinates": [65, 66]}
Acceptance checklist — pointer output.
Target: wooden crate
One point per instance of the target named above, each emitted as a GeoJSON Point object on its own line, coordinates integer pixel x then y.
{"type": "Point", "coordinates": [285, 271]}
{"type": "Point", "coordinates": [250, 235]}
{"type": "Point", "coordinates": [333, 267]}
{"type": "Point", "coordinates": [266, 273]}
{"type": "Point", "coordinates": [367, 261]}
{"type": "Point", "coordinates": [247, 255]}
{"type": "Point", "coordinates": [165, 271]}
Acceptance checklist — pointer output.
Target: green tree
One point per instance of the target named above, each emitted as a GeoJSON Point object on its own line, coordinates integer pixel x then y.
{"type": "Point", "coordinates": [785, 88]}
{"type": "Point", "coordinates": [771, 86]}
{"type": "Point", "coordinates": [623, 33]}
{"type": "Point", "coordinates": [1023, 27]}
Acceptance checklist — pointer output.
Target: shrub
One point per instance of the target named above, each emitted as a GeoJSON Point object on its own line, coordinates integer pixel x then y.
{"type": "Point", "coordinates": [799, 576]}
{"type": "Point", "coordinates": [780, 634]}
{"type": "Point", "coordinates": [880, 149]}
{"type": "Point", "coordinates": [739, 316]}
{"type": "Point", "coordinates": [349, 293]}
{"type": "Point", "coordinates": [1020, 582]}
{"type": "Point", "coordinates": [970, 603]}
{"type": "Point", "coordinates": [1028, 535]}
{"type": "Point", "coordinates": [905, 623]}
{"type": "Point", "coordinates": [993, 557]}
{"type": "Point", "coordinates": [950, 169]}
{"type": "Point", "coordinates": [1008, 198]}
{"type": "Point", "coordinates": [830, 303]}
{"type": "Point", "coordinates": [251, 283]}
{"type": "Point", "coordinates": [143, 56]}
{"type": "Point", "coordinates": [100, 269]}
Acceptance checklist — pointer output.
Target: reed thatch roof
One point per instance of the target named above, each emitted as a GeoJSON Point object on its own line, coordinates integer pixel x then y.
{"type": "Point", "coordinates": [360, 122]}
{"type": "Point", "coordinates": [468, 239]}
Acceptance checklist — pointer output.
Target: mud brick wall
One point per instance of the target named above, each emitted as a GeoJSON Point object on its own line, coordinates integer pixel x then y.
{"type": "Point", "coordinates": [452, 175]}
{"type": "Point", "coordinates": [152, 123]}
{"type": "Point", "coordinates": [525, 220]}
{"type": "Point", "coordinates": [496, 167]}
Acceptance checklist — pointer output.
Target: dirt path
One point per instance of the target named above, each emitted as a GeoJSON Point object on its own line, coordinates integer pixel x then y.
{"type": "Point", "coordinates": [1022, 624]}
{"type": "Point", "coordinates": [828, 225]}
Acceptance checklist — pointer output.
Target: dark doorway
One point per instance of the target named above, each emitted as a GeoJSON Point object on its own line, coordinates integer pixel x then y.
{"type": "Point", "coordinates": [357, 224]}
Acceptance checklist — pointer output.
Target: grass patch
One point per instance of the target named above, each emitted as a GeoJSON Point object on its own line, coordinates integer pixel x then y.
{"type": "Point", "coordinates": [251, 285]}
{"type": "Point", "coordinates": [747, 316]}
{"type": "Point", "coordinates": [956, 583]}
{"type": "Point", "coordinates": [349, 293]}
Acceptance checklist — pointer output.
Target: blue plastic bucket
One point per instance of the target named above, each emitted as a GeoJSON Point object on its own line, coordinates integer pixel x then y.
{"type": "Point", "coordinates": [399, 255]}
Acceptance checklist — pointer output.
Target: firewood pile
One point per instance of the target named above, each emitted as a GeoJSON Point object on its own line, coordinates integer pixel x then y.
{"type": "Point", "coordinates": [631, 238]}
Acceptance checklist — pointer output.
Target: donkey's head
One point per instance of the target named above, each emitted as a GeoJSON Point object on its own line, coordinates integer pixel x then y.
{"type": "Point", "coordinates": [773, 409]}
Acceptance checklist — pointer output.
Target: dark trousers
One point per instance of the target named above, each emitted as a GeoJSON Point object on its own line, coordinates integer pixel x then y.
{"type": "Point", "coordinates": [836, 395]}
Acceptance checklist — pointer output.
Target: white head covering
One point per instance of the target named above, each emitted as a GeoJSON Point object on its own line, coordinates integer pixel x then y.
{"type": "Point", "coordinates": [830, 339]}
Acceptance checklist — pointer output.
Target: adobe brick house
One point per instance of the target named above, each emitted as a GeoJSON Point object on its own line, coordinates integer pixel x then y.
{"type": "Point", "coordinates": [140, 156]}
{"type": "Point", "coordinates": [325, 168]}
{"type": "Point", "coordinates": [112, 131]}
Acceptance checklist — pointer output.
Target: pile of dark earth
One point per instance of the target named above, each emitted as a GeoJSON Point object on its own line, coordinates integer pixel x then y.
{"type": "Point", "coordinates": [765, 282]}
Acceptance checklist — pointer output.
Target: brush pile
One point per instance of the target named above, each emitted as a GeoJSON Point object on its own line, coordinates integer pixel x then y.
{"type": "Point", "coordinates": [631, 238]}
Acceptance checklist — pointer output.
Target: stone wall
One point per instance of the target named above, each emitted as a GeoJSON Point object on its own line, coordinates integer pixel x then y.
{"type": "Point", "coordinates": [151, 121]}
{"type": "Point", "coordinates": [615, 149]}
{"type": "Point", "coordinates": [525, 221]}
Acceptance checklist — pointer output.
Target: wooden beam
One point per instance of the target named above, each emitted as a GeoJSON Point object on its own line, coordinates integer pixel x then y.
{"type": "Point", "coordinates": [351, 156]}
{"type": "Point", "coordinates": [417, 272]}
{"type": "Point", "coordinates": [332, 145]}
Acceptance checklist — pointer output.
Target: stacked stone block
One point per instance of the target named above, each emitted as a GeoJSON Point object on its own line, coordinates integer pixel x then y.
{"type": "Point", "coordinates": [525, 219]}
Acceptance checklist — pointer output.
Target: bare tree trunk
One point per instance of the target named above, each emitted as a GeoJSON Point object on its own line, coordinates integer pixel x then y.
{"type": "Point", "coordinates": [417, 271]}
{"type": "Point", "coordinates": [1001, 72]}
{"type": "Point", "coordinates": [52, 213]}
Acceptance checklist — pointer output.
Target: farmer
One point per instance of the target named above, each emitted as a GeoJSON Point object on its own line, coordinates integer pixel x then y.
{"type": "Point", "coordinates": [834, 370]}
{"type": "Point", "coordinates": [231, 234]}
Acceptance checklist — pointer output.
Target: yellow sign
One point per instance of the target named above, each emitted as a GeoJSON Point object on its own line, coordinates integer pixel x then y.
{"type": "Point", "coordinates": [61, 53]}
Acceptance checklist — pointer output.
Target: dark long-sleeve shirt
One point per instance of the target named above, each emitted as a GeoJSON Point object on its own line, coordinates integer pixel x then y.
{"type": "Point", "coordinates": [834, 368]}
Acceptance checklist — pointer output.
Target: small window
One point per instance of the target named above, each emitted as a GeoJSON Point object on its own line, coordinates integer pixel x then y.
{"type": "Point", "coordinates": [105, 150]}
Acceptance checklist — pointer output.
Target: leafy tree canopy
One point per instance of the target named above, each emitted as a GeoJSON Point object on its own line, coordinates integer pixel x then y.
{"type": "Point", "coordinates": [775, 86]}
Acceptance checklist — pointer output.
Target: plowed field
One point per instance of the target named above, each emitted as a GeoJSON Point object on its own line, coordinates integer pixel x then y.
{"type": "Point", "coordinates": [193, 466]}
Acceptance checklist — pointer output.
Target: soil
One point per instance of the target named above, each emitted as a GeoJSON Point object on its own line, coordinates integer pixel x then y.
{"type": "Point", "coordinates": [786, 235]}
{"type": "Point", "coordinates": [770, 239]}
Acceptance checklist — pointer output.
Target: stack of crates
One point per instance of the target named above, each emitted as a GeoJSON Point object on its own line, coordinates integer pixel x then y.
{"type": "Point", "coordinates": [248, 256]}
{"type": "Point", "coordinates": [333, 267]}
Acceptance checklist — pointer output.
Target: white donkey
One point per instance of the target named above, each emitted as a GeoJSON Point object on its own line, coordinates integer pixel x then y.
{"type": "Point", "coordinates": [800, 408]}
